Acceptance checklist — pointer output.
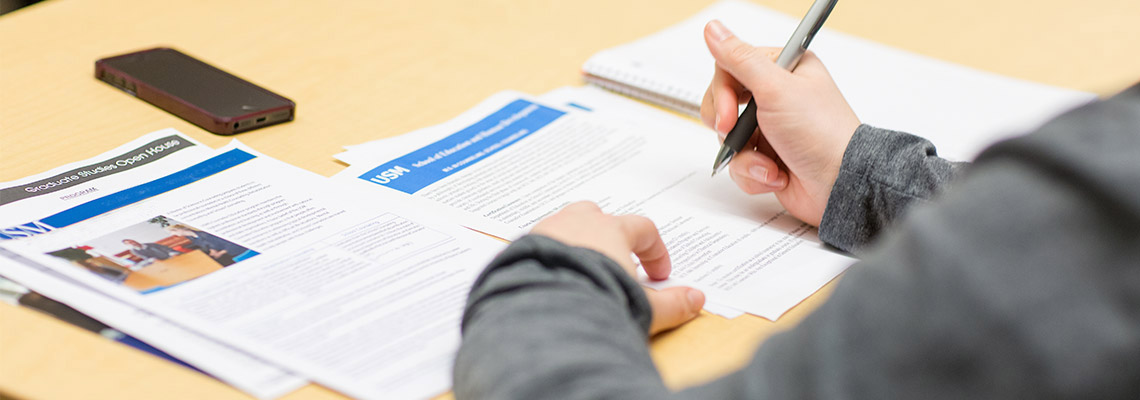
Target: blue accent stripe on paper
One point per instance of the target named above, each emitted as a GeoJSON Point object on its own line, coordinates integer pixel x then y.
{"type": "Point", "coordinates": [579, 106]}
{"type": "Point", "coordinates": [150, 189]}
{"type": "Point", "coordinates": [425, 166]}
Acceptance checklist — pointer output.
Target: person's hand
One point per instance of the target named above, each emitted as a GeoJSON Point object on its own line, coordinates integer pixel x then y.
{"type": "Point", "coordinates": [805, 121]}
{"type": "Point", "coordinates": [583, 224]}
{"type": "Point", "coordinates": [217, 253]}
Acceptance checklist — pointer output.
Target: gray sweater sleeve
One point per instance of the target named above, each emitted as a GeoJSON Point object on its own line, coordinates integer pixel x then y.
{"type": "Point", "coordinates": [884, 172]}
{"type": "Point", "coordinates": [549, 321]}
{"type": "Point", "coordinates": [1021, 281]}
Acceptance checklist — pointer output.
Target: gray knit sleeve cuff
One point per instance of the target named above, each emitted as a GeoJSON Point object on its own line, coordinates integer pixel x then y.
{"type": "Point", "coordinates": [883, 173]}
{"type": "Point", "coordinates": [536, 260]}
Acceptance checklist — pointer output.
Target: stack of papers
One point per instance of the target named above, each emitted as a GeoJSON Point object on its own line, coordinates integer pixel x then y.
{"type": "Point", "coordinates": [512, 160]}
{"type": "Point", "coordinates": [267, 276]}
{"type": "Point", "coordinates": [257, 272]}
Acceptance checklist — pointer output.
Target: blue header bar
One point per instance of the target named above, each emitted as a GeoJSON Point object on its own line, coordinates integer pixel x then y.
{"type": "Point", "coordinates": [425, 166]}
{"type": "Point", "coordinates": [130, 196]}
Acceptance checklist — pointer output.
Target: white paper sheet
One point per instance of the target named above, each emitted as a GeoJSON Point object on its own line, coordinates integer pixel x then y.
{"type": "Point", "coordinates": [261, 379]}
{"type": "Point", "coordinates": [245, 372]}
{"type": "Point", "coordinates": [355, 289]}
{"type": "Point", "coordinates": [962, 110]}
{"type": "Point", "coordinates": [588, 99]}
{"type": "Point", "coordinates": [511, 161]}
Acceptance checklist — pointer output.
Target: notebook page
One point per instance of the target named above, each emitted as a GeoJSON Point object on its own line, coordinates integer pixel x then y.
{"type": "Point", "coordinates": [960, 109]}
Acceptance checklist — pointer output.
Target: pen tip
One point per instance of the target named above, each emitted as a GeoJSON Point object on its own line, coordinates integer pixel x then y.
{"type": "Point", "coordinates": [722, 158]}
{"type": "Point", "coordinates": [723, 162]}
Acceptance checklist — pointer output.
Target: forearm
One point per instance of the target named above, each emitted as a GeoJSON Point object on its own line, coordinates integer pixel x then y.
{"type": "Point", "coordinates": [883, 174]}
{"type": "Point", "coordinates": [547, 320]}
{"type": "Point", "coordinates": [1017, 284]}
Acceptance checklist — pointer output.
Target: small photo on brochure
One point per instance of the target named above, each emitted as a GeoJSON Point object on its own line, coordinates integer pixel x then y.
{"type": "Point", "coordinates": [154, 254]}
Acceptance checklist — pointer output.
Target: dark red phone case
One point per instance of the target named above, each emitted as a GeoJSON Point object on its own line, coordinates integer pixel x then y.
{"type": "Point", "coordinates": [207, 96]}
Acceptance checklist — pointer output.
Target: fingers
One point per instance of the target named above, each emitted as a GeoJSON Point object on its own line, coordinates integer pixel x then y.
{"type": "Point", "coordinates": [751, 66]}
{"type": "Point", "coordinates": [673, 307]}
{"type": "Point", "coordinates": [728, 94]}
{"type": "Point", "coordinates": [708, 114]}
{"type": "Point", "coordinates": [583, 206]}
{"type": "Point", "coordinates": [722, 102]}
{"type": "Point", "coordinates": [756, 173]}
{"type": "Point", "coordinates": [584, 224]}
{"type": "Point", "coordinates": [645, 241]}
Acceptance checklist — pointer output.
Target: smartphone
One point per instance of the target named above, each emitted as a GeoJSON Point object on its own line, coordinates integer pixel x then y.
{"type": "Point", "coordinates": [195, 91]}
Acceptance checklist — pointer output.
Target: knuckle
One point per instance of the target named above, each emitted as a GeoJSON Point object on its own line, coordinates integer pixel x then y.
{"type": "Point", "coordinates": [638, 221]}
{"type": "Point", "coordinates": [634, 226]}
{"type": "Point", "coordinates": [772, 54]}
{"type": "Point", "coordinates": [741, 54]}
{"type": "Point", "coordinates": [708, 109]}
{"type": "Point", "coordinates": [647, 223]}
{"type": "Point", "coordinates": [583, 206]}
{"type": "Point", "coordinates": [746, 185]}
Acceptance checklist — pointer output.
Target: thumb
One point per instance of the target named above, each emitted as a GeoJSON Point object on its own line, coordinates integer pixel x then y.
{"type": "Point", "coordinates": [751, 66]}
{"type": "Point", "coordinates": [673, 307]}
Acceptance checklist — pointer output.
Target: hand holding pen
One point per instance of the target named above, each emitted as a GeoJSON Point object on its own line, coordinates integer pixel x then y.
{"type": "Point", "coordinates": [805, 122]}
{"type": "Point", "coordinates": [788, 59]}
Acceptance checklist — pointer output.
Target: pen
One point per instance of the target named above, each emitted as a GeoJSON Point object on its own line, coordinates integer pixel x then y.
{"type": "Point", "coordinates": [789, 57]}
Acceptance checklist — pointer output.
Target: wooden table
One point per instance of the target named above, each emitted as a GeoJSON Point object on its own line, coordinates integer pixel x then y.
{"type": "Point", "coordinates": [362, 70]}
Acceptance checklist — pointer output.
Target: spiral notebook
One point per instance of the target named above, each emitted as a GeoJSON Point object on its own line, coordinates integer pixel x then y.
{"type": "Point", "coordinates": [672, 67]}
{"type": "Point", "coordinates": [961, 109]}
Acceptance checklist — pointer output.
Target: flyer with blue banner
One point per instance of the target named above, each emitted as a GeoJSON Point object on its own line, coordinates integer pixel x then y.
{"type": "Point", "coordinates": [509, 162]}
{"type": "Point", "coordinates": [452, 154]}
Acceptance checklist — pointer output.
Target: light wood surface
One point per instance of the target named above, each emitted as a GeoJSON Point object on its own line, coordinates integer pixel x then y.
{"type": "Point", "coordinates": [362, 70]}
